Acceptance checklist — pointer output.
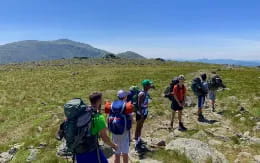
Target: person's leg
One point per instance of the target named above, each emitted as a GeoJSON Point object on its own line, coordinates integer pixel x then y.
{"type": "Point", "coordinates": [172, 118]}
{"type": "Point", "coordinates": [181, 126]}
{"type": "Point", "coordinates": [117, 158]}
{"type": "Point", "coordinates": [141, 128]}
{"type": "Point", "coordinates": [125, 158]}
{"type": "Point", "coordinates": [180, 116]}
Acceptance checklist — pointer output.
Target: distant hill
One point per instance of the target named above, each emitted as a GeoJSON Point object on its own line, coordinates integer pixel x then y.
{"type": "Point", "coordinates": [227, 61]}
{"type": "Point", "coordinates": [33, 50]}
{"type": "Point", "coordinates": [130, 55]}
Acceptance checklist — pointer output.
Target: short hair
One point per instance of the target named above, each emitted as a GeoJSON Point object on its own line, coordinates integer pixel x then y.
{"type": "Point", "coordinates": [94, 97]}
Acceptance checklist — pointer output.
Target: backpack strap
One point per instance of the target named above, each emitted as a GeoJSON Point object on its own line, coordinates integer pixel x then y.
{"type": "Point", "coordinates": [123, 108]}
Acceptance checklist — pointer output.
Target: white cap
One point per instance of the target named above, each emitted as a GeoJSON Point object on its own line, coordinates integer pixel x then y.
{"type": "Point", "coordinates": [122, 94]}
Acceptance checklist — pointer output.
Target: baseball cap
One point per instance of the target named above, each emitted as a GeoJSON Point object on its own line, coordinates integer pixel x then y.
{"type": "Point", "coordinates": [147, 82]}
{"type": "Point", "coordinates": [122, 94]}
{"type": "Point", "coordinates": [181, 77]}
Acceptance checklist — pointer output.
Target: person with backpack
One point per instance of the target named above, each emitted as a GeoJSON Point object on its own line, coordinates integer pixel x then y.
{"type": "Point", "coordinates": [120, 123]}
{"type": "Point", "coordinates": [214, 84]}
{"type": "Point", "coordinates": [83, 126]}
{"type": "Point", "coordinates": [142, 111]}
{"type": "Point", "coordinates": [202, 96]}
{"type": "Point", "coordinates": [179, 94]}
{"type": "Point", "coordinates": [168, 93]}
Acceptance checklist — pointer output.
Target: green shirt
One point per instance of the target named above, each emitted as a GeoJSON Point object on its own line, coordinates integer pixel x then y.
{"type": "Point", "coordinates": [98, 124]}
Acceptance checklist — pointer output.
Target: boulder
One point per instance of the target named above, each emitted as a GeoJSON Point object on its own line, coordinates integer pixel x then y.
{"type": "Point", "coordinates": [32, 156]}
{"type": "Point", "coordinates": [8, 156]}
{"type": "Point", "coordinates": [257, 158]}
{"type": "Point", "coordinates": [197, 151]}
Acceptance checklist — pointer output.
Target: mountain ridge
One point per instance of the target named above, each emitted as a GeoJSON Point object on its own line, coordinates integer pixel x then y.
{"type": "Point", "coordinates": [35, 50]}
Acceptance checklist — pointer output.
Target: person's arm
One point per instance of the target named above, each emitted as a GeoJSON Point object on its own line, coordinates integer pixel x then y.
{"type": "Point", "coordinates": [140, 101]}
{"type": "Point", "coordinates": [104, 136]}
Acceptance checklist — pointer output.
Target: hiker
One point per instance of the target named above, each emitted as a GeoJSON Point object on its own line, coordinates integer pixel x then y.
{"type": "Point", "coordinates": [179, 94]}
{"type": "Point", "coordinates": [202, 96]}
{"type": "Point", "coordinates": [142, 112]}
{"type": "Point", "coordinates": [120, 123]}
{"type": "Point", "coordinates": [84, 125]}
{"type": "Point", "coordinates": [214, 84]}
{"type": "Point", "coordinates": [168, 93]}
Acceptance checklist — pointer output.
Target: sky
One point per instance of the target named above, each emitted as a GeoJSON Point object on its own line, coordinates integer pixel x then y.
{"type": "Point", "coordinates": [172, 29]}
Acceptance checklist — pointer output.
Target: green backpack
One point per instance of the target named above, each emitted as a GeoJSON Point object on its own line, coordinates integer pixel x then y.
{"type": "Point", "coordinates": [77, 127]}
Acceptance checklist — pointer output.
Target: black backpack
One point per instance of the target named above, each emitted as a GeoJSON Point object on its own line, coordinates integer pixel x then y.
{"type": "Point", "coordinates": [169, 89]}
{"type": "Point", "coordinates": [77, 127]}
{"type": "Point", "coordinates": [215, 83]}
{"type": "Point", "coordinates": [197, 87]}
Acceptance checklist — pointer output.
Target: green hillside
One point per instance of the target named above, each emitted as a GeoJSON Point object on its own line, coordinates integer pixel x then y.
{"type": "Point", "coordinates": [130, 55]}
{"type": "Point", "coordinates": [33, 94]}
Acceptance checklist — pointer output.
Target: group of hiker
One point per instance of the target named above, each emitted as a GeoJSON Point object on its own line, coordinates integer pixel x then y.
{"type": "Point", "coordinates": [84, 125]}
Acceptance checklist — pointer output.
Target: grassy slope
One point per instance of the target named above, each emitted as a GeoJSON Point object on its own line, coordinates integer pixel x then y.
{"type": "Point", "coordinates": [32, 95]}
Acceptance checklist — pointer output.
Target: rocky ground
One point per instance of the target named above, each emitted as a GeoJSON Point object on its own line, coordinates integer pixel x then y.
{"type": "Point", "coordinates": [212, 141]}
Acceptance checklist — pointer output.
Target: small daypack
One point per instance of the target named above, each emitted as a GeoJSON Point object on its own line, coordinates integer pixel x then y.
{"type": "Point", "coordinates": [77, 127]}
{"type": "Point", "coordinates": [169, 89]}
{"type": "Point", "coordinates": [197, 86]}
{"type": "Point", "coordinates": [118, 121]}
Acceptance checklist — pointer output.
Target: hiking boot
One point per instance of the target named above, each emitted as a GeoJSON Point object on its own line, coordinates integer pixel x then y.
{"type": "Point", "coordinates": [142, 142]}
{"type": "Point", "coordinates": [201, 118]}
{"type": "Point", "coordinates": [181, 127]}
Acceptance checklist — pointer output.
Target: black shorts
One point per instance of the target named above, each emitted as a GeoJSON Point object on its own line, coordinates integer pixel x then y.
{"type": "Point", "coordinates": [175, 106]}
{"type": "Point", "coordinates": [138, 117]}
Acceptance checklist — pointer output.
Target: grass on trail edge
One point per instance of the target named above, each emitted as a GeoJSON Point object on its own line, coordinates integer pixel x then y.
{"type": "Point", "coordinates": [33, 94]}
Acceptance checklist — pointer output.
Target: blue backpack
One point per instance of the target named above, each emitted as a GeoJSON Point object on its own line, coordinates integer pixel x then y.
{"type": "Point", "coordinates": [118, 121]}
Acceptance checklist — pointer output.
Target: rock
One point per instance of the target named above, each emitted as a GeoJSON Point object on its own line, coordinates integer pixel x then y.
{"type": "Point", "coordinates": [246, 134]}
{"type": "Point", "coordinates": [254, 140]}
{"type": "Point", "coordinates": [238, 115]}
{"type": "Point", "coordinates": [42, 145]}
{"type": "Point", "coordinates": [196, 150]}
{"type": "Point", "coordinates": [242, 119]}
{"type": "Point", "coordinates": [215, 142]}
{"type": "Point", "coordinates": [32, 155]}
{"type": "Point", "coordinates": [62, 150]}
{"type": "Point", "coordinates": [257, 127]}
{"type": "Point", "coordinates": [7, 156]}
{"type": "Point", "coordinates": [244, 157]}
{"type": "Point", "coordinates": [149, 161]}
{"type": "Point", "coordinates": [257, 158]}
{"type": "Point", "coordinates": [162, 143]}
{"type": "Point", "coordinates": [39, 128]}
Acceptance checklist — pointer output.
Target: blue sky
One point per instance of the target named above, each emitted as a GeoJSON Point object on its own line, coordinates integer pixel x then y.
{"type": "Point", "coordinates": [186, 29]}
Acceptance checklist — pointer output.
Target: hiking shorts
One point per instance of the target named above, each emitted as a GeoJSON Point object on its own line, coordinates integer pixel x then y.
{"type": "Point", "coordinates": [175, 106]}
{"type": "Point", "coordinates": [138, 117]}
{"type": "Point", "coordinates": [123, 142]}
{"type": "Point", "coordinates": [144, 112]}
{"type": "Point", "coordinates": [91, 157]}
{"type": "Point", "coordinates": [201, 101]}
{"type": "Point", "coordinates": [212, 95]}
